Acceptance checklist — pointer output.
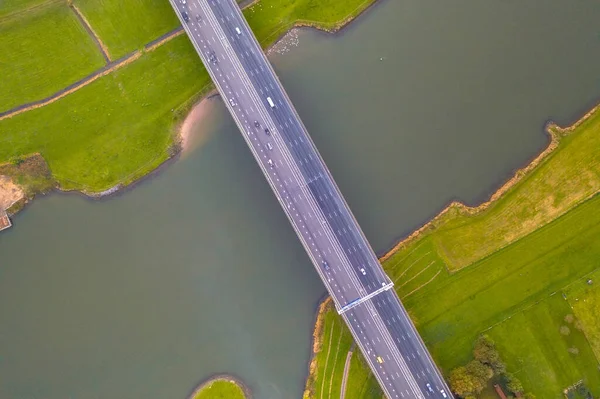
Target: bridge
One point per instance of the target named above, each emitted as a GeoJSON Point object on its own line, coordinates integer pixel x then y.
{"type": "Point", "coordinates": [363, 294]}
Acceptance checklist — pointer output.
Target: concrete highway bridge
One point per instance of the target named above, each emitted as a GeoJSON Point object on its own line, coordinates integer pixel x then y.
{"type": "Point", "coordinates": [363, 294]}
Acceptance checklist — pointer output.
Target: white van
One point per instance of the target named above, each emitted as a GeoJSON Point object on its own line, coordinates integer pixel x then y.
{"type": "Point", "coordinates": [271, 103]}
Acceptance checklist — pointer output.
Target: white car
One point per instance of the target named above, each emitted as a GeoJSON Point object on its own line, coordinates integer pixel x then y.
{"type": "Point", "coordinates": [232, 102]}
{"type": "Point", "coordinates": [429, 388]}
{"type": "Point", "coordinates": [362, 270]}
{"type": "Point", "coordinates": [443, 393]}
{"type": "Point", "coordinates": [270, 146]}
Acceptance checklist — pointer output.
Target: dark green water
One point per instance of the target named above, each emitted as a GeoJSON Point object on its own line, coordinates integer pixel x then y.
{"type": "Point", "coordinates": [195, 270]}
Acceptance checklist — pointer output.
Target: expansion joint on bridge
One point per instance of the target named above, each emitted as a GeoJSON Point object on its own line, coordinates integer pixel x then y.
{"type": "Point", "coordinates": [357, 302]}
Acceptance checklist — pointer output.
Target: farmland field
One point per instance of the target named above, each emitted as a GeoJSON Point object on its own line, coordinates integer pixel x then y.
{"type": "Point", "coordinates": [125, 26]}
{"type": "Point", "coordinates": [515, 291]}
{"type": "Point", "coordinates": [533, 347]}
{"type": "Point", "coordinates": [31, 68]}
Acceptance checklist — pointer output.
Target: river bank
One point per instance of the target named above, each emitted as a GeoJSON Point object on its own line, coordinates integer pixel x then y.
{"type": "Point", "coordinates": [412, 246]}
{"type": "Point", "coordinates": [186, 115]}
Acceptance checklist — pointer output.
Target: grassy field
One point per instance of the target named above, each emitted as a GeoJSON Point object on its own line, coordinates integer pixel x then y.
{"type": "Point", "coordinates": [9, 8]}
{"type": "Point", "coordinates": [31, 68]}
{"type": "Point", "coordinates": [584, 298]}
{"type": "Point", "coordinates": [125, 26]}
{"type": "Point", "coordinates": [538, 353]}
{"type": "Point", "coordinates": [220, 389]}
{"type": "Point", "coordinates": [499, 290]}
{"type": "Point", "coordinates": [121, 126]}
{"type": "Point", "coordinates": [123, 131]}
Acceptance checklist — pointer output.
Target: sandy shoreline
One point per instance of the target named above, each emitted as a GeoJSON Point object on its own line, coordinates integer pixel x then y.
{"type": "Point", "coordinates": [196, 115]}
{"type": "Point", "coordinates": [9, 192]}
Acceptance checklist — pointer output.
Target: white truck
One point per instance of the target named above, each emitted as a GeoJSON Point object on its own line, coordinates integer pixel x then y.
{"type": "Point", "coordinates": [271, 103]}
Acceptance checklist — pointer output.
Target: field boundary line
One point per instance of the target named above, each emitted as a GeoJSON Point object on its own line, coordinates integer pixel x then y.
{"type": "Point", "coordinates": [410, 266]}
{"type": "Point", "coordinates": [107, 69]}
{"type": "Point", "coordinates": [88, 27]}
{"type": "Point", "coordinates": [327, 357]}
{"type": "Point", "coordinates": [424, 284]}
{"type": "Point", "coordinates": [407, 255]}
{"type": "Point", "coordinates": [346, 371]}
{"type": "Point", "coordinates": [29, 9]}
{"type": "Point", "coordinates": [418, 274]}
{"type": "Point", "coordinates": [154, 44]}
{"type": "Point", "coordinates": [73, 87]}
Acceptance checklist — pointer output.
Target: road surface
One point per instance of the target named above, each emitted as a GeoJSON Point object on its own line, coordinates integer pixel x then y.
{"type": "Point", "coordinates": [362, 292]}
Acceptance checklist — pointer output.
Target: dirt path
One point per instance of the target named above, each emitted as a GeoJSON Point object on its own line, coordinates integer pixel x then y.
{"type": "Point", "coordinates": [9, 192]}
{"type": "Point", "coordinates": [108, 68]}
{"type": "Point", "coordinates": [101, 46]}
{"type": "Point", "coordinates": [346, 370]}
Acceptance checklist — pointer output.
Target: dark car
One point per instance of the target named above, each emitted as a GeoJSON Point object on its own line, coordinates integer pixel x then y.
{"type": "Point", "coordinates": [256, 124]}
{"type": "Point", "coordinates": [212, 57]}
{"type": "Point", "coordinates": [185, 16]}
{"type": "Point", "coordinates": [325, 265]}
{"type": "Point", "coordinates": [267, 131]}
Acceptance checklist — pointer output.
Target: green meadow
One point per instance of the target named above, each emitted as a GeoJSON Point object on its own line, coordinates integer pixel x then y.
{"type": "Point", "coordinates": [514, 294]}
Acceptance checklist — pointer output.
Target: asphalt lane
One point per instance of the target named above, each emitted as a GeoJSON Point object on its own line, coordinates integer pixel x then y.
{"type": "Point", "coordinates": [310, 198]}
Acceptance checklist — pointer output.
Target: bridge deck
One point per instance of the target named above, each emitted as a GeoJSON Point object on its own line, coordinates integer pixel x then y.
{"type": "Point", "coordinates": [310, 198]}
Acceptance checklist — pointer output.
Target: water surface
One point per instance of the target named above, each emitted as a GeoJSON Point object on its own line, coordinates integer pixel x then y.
{"type": "Point", "coordinates": [196, 271]}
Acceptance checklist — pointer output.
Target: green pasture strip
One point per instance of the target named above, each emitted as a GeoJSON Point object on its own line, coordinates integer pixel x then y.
{"type": "Point", "coordinates": [117, 128]}
{"type": "Point", "coordinates": [43, 51]}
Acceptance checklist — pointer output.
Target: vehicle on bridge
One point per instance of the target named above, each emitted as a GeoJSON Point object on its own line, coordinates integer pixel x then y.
{"type": "Point", "coordinates": [271, 103]}
{"type": "Point", "coordinates": [325, 265]}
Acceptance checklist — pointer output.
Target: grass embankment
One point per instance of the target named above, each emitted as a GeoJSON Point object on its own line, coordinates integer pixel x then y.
{"type": "Point", "coordinates": [515, 292]}
{"type": "Point", "coordinates": [121, 126]}
{"type": "Point", "coordinates": [43, 50]}
{"type": "Point", "coordinates": [219, 389]}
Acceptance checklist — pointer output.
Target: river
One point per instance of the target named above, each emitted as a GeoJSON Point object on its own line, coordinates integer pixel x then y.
{"type": "Point", "coordinates": [196, 270]}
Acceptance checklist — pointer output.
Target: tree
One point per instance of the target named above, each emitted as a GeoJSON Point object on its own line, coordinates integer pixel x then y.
{"type": "Point", "coordinates": [569, 318]}
{"type": "Point", "coordinates": [529, 395]}
{"type": "Point", "coordinates": [481, 372]}
{"type": "Point", "coordinates": [485, 352]}
{"type": "Point", "coordinates": [462, 383]}
{"type": "Point", "coordinates": [511, 382]}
